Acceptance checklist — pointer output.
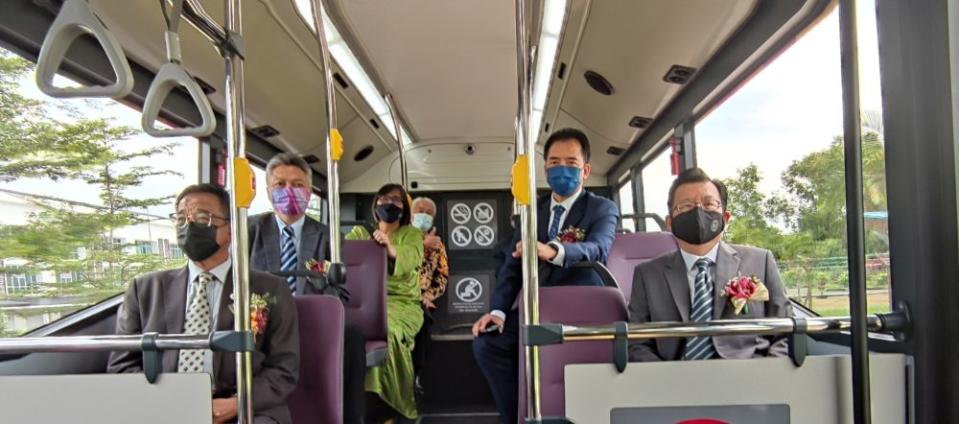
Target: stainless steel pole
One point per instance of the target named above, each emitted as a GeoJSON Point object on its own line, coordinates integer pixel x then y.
{"type": "Point", "coordinates": [236, 148]}
{"type": "Point", "coordinates": [100, 343]}
{"type": "Point", "coordinates": [332, 162]}
{"type": "Point", "coordinates": [196, 15]}
{"type": "Point", "coordinates": [404, 176]}
{"type": "Point", "coordinates": [526, 145]}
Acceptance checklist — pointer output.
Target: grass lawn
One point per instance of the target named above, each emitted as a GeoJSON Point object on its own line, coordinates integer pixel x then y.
{"type": "Point", "coordinates": [839, 305]}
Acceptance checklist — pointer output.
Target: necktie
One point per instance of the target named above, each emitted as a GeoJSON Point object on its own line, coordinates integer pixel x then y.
{"type": "Point", "coordinates": [702, 310]}
{"type": "Point", "coordinates": [288, 257]}
{"type": "Point", "coordinates": [554, 224]}
{"type": "Point", "coordinates": [197, 322]}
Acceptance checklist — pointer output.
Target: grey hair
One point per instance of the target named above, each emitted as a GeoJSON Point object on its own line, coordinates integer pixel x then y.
{"type": "Point", "coordinates": [289, 159]}
{"type": "Point", "coordinates": [427, 200]}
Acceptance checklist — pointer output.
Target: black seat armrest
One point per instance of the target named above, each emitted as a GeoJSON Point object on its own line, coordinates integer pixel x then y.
{"type": "Point", "coordinates": [608, 279]}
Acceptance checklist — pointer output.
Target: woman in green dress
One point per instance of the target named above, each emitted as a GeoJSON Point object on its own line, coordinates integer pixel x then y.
{"type": "Point", "coordinates": [393, 380]}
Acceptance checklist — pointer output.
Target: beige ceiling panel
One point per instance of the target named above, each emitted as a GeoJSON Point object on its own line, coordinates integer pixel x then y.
{"type": "Point", "coordinates": [633, 44]}
{"type": "Point", "coordinates": [451, 65]}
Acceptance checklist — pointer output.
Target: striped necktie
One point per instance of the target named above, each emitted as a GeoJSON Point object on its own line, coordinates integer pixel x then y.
{"type": "Point", "coordinates": [288, 257]}
{"type": "Point", "coordinates": [197, 322]}
{"type": "Point", "coordinates": [554, 224]}
{"type": "Point", "coordinates": [702, 310]}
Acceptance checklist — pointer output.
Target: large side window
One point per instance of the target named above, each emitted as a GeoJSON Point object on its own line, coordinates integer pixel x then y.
{"type": "Point", "coordinates": [625, 197]}
{"type": "Point", "coordinates": [657, 177]}
{"type": "Point", "coordinates": [85, 198]}
{"type": "Point", "coordinates": [777, 143]}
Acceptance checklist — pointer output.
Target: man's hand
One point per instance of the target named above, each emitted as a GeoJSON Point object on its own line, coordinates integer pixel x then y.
{"type": "Point", "coordinates": [384, 240]}
{"type": "Point", "coordinates": [486, 321]}
{"type": "Point", "coordinates": [224, 410]}
{"type": "Point", "coordinates": [544, 251]}
{"type": "Point", "coordinates": [431, 240]}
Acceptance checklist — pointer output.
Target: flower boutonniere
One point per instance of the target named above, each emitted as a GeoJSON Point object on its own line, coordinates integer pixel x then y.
{"type": "Point", "coordinates": [571, 235]}
{"type": "Point", "coordinates": [316, 266]}
{"type": "Point", "coordinates": [744, 289]}
{"type": "Point", "coordinates": [259, 312]}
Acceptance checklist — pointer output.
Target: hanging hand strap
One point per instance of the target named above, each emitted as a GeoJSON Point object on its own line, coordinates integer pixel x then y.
{"type": "Point", "coordinates": [171, 75]}
{"type": "Point", "coordinates": [74, 20]}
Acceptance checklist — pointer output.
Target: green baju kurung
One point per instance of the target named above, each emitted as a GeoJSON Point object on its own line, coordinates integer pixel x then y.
{"type": "Point", "coordinates": [394, 380]}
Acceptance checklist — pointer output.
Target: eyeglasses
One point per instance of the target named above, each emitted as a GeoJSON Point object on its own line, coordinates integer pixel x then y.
{"type": "Point", "coordinates": [199, 217]}
{"type": "Point", "coordinates": [709, 205]}
{"type": "Point", "coordinates": [389, 199]}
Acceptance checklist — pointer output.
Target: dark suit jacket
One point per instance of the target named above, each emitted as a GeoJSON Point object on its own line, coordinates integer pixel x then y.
{"type": "Point", "coordinates": [596, 216]}
{"type": "Point", "coordinates": [661, 293]}
{"type": "Point", "coordinates": [265, 244]}
{"type": "Point", "coordinates": [156, 302]}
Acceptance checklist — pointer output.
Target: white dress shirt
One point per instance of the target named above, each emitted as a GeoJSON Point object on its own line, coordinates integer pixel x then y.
{"type": "Point", "coordinates": [691, 269]}
{"type": "Point", "coordinates": [213, 298]}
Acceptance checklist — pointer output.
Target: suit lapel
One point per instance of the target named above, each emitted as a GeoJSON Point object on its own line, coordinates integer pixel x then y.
{"type": "Point", "coordinates": [576, 212]}
{"type": "Point", "coordinates": [224, 322]}
{"type": "Point", "coordinates": [308, 240]}
{"type": "Point", "coordinates": [678, 282]}
{"type": "Point", "coordinates": [174, 296]}
{"type": "Point", "coordinates": [727, 267]}
{"type": "Point", "coordinates": [271, 242]}
{"type": "Point", "coordinates": [542, 219]}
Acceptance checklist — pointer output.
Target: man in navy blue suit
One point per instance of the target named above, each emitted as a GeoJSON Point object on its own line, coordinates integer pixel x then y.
{"type": "Point", "coordinates": [573, 226]}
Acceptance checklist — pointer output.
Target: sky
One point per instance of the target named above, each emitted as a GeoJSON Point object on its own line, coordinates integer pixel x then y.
{"type": "Point", "coordinates": [791, 108]}
{"type": "Point", "coordinates": [788, 110]}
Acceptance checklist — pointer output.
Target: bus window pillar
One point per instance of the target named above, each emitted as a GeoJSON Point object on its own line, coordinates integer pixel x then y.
{"type": "Point", "coordinates": [686, 143]}
{"type": "Point", "coordinates": [639, 204]}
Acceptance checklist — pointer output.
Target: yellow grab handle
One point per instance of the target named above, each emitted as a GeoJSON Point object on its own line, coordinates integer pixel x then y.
{"type": "Point", "coordinates": [244, 185]}
{"type": "Point", "coordinates": [336, 144]}
{"type": "Point", "coordinates": [520, 180]}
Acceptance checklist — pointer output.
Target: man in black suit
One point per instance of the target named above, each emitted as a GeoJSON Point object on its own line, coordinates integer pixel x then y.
{"type": "Point", "coordinates": [195, 299]}
{"type": "Point", "coordinates": [574, 226]}
{"type": "Point", "coordinates": [284, 240]}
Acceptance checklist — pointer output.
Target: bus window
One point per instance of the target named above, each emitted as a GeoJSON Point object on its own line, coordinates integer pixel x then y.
{"type": "Point", "coordinates": [626, 205]}
{"type": "Point", "coordinates": [657, 177]}
{"type": "Point", "coordinates": [777, 143]}
{"type": "Point", "coordinates": [85, 198]}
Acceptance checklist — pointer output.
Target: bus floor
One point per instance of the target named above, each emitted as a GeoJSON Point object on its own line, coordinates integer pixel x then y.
{"type": "Point", "coordinates": [454, 389]}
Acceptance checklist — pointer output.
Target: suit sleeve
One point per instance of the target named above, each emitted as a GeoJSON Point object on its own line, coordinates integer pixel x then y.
{"type": "Point", "coordinates": [281, 368]}
{"type": "Point", "coordinates": [599, 239]}
{"type": "Point", "coordinates": [778, 305]}
{"type": "Point", "coordinates": [128, 322]}
{"type": "Point", "coordinates": [642, 350]}
{"type": "Point", "coordinates": [509, 279]}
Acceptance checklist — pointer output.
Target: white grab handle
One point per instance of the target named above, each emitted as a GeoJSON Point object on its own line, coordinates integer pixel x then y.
{"type": "Point", "coordinates": [170, 76]}
{"type": "Point", "coordinates": [74, 20]}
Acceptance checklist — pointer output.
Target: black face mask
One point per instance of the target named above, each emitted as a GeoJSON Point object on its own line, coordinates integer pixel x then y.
{"type": "Point", "coordinates": [198, 242]}
{"type": "Point", "coordinates": [389, 213]}
{"type": "Point", "coordinates": [697, 226]}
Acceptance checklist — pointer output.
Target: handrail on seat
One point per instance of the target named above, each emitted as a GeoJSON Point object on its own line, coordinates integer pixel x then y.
{"type": "Point", "coordinates": [74, 20]}
{"type": "Point", "coordinates": [171, 75]}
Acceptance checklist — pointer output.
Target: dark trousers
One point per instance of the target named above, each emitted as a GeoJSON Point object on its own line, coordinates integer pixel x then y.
{"type": "Point", "coordinates": [354, 375]}
{"type": "Point", "coordinates": [498, 357]}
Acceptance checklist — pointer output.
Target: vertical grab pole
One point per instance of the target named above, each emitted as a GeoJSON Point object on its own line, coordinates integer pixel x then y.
{"type": "Point", "coordinates": [404, 177]}
{"type": "Point", "coordinates": [854, 211]}
{"type": "Point", "coordinates": [334, 143]}
{"type": "Point", "coordinates": [526, 145]}
{"type": "Point", "coordinates": [236, 152]}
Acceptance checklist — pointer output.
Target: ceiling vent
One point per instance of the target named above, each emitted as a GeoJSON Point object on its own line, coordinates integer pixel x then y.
{"type": "Point", "coordinates": [561, 72]}
{"type": "Point", "coordinates": [311, 159]}
{"type": "Point", "coordinates": [640, 122]}
{"type": "Point", "coordinates": [615, 151]}
{"type": "Point", "coordinates": [679, 74]}
{"type": "Point", "coordinates": [363, 153]}
{"type": "Point", "coordinates": [376, 125]}
{"type": "Point", "coordinates": [340, 80]}
{"type": "Point", "coordinates": [546, 128]}
{"type": "Point", "coordinates": [599, 83]}
{"type": "Point", "coordinates": [265, 132]}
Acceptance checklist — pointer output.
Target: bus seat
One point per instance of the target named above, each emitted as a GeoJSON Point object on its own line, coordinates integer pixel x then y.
{"type": "Point", "coordinates": [366, 281]}
{"type": "Point", "coordinates": [574, 305]}
{"type": "Point", "coordinates": [633, 249]}
{"type": "Point", "coordinates": [318, 397]}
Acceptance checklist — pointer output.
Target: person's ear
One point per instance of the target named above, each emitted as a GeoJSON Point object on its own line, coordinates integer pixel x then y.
{"type": "Point", "coordinates": [727, 216]}
{"type": "Point", "coordinates": [587, 169]}
{"type": "Point", "coordinates": [669, 223]}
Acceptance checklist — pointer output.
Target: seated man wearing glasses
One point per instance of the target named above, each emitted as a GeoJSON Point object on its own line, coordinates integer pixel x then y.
{"type": "Point", "coordinates": [706, 279]}
{"type": "Point", "coordinates": [198, 299]}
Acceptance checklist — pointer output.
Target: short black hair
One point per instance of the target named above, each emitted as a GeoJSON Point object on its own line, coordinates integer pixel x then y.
{"type": "Point", "coordinates": [695, 175]}
{"type": "Point", "coordinates": [568, 134]}
{"type": "Point", "coordinates": [405, 219]}
{"type": "Point", "coordinates": [207, 188]}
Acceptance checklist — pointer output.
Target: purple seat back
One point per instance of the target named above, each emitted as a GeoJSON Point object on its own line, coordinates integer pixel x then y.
{"type": "Point", "coordinates": [318, 397]}
{"type": "Point", "coordinates": [366, 281]}
{"type": "Point", "coordinates": [633, 249]}
{"type": "Point", "coordinates": [573, 305]}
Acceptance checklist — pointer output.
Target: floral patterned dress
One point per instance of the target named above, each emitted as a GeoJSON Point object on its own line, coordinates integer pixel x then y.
{"type": "Point", "coordinates": [433, 275]}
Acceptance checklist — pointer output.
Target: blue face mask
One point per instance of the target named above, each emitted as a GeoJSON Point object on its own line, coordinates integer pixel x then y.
{"type": "Point", "coordinates": [423, 221]}
{"type": "Point", "coordinates": [564, 180]}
